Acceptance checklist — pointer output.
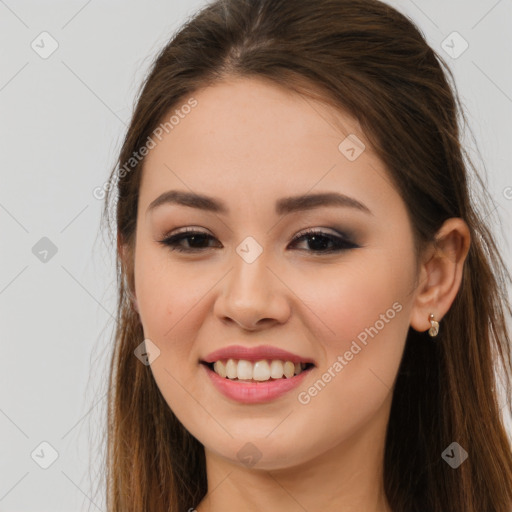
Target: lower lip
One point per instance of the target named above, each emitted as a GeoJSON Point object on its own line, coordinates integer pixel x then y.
{"type": "Point", "coordinates": [254, 392]}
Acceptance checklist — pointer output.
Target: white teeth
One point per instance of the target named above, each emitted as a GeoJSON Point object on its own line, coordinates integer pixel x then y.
{"type": "Point", "coordinates": [289, 369]}
{"type": "Point", "coordinates": [244, 370]}
{"type": "Point", "coordinates": [276, 369]}
{"type": "Point", "coordinates": [259, 370]}
{"type": "Point", "coordinates": [231, 372]}
{"type": "Point", "coordinates": [220, 368]}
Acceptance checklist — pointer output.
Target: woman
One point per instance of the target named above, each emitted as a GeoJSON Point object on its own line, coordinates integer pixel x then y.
{"type": "Point", "coordinates": [310, 306]}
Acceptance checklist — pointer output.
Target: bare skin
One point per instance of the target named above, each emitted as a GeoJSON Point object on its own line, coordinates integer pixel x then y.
{"type": "Point", "coordinates": [250, 143]}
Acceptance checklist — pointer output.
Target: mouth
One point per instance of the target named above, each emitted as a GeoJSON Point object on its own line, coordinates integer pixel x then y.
{"type": "Point", "coordinates": [264, 370]}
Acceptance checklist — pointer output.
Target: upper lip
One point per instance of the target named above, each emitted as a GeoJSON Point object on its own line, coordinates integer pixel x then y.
{"type": "Point", "coordinates": [255, 354]}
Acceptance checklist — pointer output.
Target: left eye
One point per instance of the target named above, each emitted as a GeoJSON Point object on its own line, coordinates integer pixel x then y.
{"type": "Point", "coordinates": [318, 240]}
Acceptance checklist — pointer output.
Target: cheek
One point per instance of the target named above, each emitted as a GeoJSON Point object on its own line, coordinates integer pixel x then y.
{"type": "Point", "coordinates": [170, 298]}
{"type": "Point", "coordinates": [350, 299]}
{"type": "Point", "coordinates": [361, 358]}
{"type": "Point", "coordinates": [363, 309]}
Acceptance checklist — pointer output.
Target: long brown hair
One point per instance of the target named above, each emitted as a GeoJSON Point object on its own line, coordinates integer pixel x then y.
{"type": "Point", "coordinates": [365, 58]}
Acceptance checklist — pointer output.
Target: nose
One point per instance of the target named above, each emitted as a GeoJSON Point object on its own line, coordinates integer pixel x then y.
{"type": "Point", "coordinates": [252, 295]}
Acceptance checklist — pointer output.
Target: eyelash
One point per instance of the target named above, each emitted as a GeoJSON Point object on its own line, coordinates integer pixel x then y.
{"type": "Point", "coordinates": [341, 243]}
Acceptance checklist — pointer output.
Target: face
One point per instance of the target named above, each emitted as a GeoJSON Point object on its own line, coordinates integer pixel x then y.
{"type": "Point", "coordinates": [330, 282]}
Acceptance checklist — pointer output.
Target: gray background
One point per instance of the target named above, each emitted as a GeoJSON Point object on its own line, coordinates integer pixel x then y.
{"type": "Point", "coordinates": [62, 121]}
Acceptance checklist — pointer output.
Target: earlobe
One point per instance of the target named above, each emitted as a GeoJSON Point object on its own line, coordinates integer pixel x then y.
{"type": "Point", "coordinates": [440, 275]}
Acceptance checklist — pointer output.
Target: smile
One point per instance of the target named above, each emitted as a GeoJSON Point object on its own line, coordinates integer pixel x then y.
{"type": "Point", "coordinates": [257, 371]}
{"type": "Point", "coordinates": [255, 374]}
{"type": "Point", "coordinates": [251, 391]}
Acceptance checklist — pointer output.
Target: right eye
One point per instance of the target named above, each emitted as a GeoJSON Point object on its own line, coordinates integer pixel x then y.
{"type": "Point", "coordinates": [195, 238]}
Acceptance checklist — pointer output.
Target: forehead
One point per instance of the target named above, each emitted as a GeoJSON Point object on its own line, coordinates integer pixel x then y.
{"type": "Point", "coordinates": [254, 114]}
{"type": "Point", "coordinates": [250, 138]}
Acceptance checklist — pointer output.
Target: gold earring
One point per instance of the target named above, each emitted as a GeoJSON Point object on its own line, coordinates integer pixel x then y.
{"type": "Point", "coordinates": [434, 329]}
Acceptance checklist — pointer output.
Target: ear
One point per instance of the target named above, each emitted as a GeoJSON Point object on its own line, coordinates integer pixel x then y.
{"type": "Point", "coordinates": [126, 257]}
{"type": "Point", "coordinates": [440, 273]}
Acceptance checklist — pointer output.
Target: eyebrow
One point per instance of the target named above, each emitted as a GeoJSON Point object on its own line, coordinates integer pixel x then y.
{"type": "Point", "coordinates": [283, 206]}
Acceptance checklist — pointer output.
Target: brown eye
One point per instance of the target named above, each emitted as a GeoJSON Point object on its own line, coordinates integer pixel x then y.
{"type": "Point", "coordinates": [321, 242]}
{"type": "Point", "coordinates": [196, 240]}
